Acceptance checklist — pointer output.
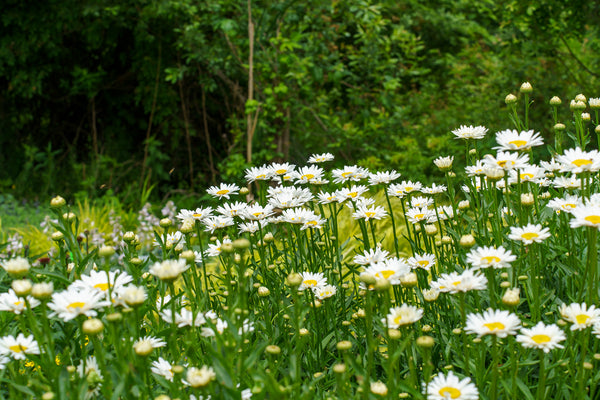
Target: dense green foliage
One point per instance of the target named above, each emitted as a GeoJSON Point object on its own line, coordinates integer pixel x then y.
{"type": "Point", "coordinates": [152, 97]}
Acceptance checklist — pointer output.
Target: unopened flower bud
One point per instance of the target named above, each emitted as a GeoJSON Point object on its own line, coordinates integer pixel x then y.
{"type": "Point", "coordinates": [294, 280]}
{"type": "Point", "coordinates": [303, 332]}
{"type": "Point", "coordinates": [526, 87]}
{"type": "Point", "coordinates": [241, 244]}
{"type": "Point", "coordinates": [129, 237]}
{"type": "Point", "coordinates": [555, 101]}
{"type": "Point", "coordinates": [22, 287]}
{"type": "Point", "coordinates": [510, 99]}
{"type": "Point", "coordinates": [467, 241]}
{"type": "Point", "coordinates": [431, 294]}
{"type": "Point", "coordinates": [165, 222]}
{"type": "Point", "coordinates": [409, 279]}
{"type": "Point", "coordinates": [580, 97]}
{"type": "Point", "coordinates": [425, 341]}
{"type": "Point", "coordinates": [577, 105]}
{"type": "Point", "coordinates": [186, 227]}
{"type": "Point", "coordinates": [92, 326]}
{"type": "Point", "coordinates": [69, 216]}
{"type": "Point", "coordinates": [511, 297]}
{"type": "Point", "coordinates": [106, 251]}
{"type": "Point", "coordinates": [188, 256]}
{"type": "Point", "coordinates": [48, 396]}
{"type": "Point", "coordinates": [57, 236]}
{"type": "Point", "coordinates": [381, 285]}
{"type": "Point", "coordinates": [57, 202]}
{"type": "Point", "coordinates": [227, 248]}
{"type": "Point", "coordinates": [446, 239]}
{"type": "Point", "coordinates": [114, 317]}
{"type": "Point", "coordinates": [367, 278]}
{"type": "Point", "coordinates": [339, 368]}
{"type": "Point", "coordinates": [344, 345]}
{"type": "Point", "coordinates": [559, 127]}
{"type": "Point", "coordinates": [273, 349]}
{"type": "Point", "coordinates": [263, 291]}
{"type": "Point", "coordinates": [42, 291]}
{"type": "Point", "coordinates": [464, 204]}
{"type": "Point", "coordinates": [431, 230]}
{"type": "Point", "coordinates": [244, 191]}
{"type": "Point", "coordinates": [379, 388]}
{"type": "Point", "coordinates": [586, 116]}
{"type": "Point", "coordinates": [527, 199]}
{"type": "Point", "coordinates": [268, 237]}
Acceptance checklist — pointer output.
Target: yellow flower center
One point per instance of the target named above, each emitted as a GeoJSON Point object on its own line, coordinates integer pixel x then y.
{"type": "Point", "coordinates": [456, 283]}
{"type": "Point", "coordinates": [580, 161]}
{"type": "Point", "coordinates": [386, 274]}
{"type": "Point", "coordinates": [18, 303]}
{"type": "Point", "coordinates": [307, 177]}
{"type": "Point", "coordinates": [582, 318]}
{"type": "Point", "coordinates": [77, 304]}
{"type": "Point", "coordinates": [419, 216]}
{"type": "Point", "coordinates": [261, 176]}
{"type": "Point", "coordinates": [493, 326]}
{"type": "Point", "coordinates": [397, 319]}
{"type": "Point", "coordinates": [529, 235]}
{"type": "Point", "coordinates": [102, 286]}
{"type": "Point", "coordinates": [346, 174]}
{"type": "Point", "coordinates": [446, 391]}
{"type": "Point", "coordinates": [257, 214]}
{"type": "Point", "coordinates": [222, 192]}
{"type": "Point", "coordinates": [539, 339]}
{"type": "Point", "coordinates": [370, 214]}
{"type": "Point", "coordinates": [501, 163]}
{"type": "Point", "coordinates": [18, 348]}
{"type": "Point", "coordinates": [518, 143]}
{"type": "Point", "coordinates": [526, 176]}
{"type": "Point", "coordinates": [423, 263]}
{"type": "Point", "coordinates": [594, 219]}
{"type": "Point", "coordinates": [198, 215]}
{"type": "Point", "coordinates": [353, 194]}
{"type": "Point", "coordinates": [571, 206]}
{"type": "Point", "coordinates": [490, 259]}
{"type": "Point", "coordinates": [310, 282]}
{"type": "Point", "coordinates": [408, 189]}
{"type": "Point", "coordinates": [281, 171]}
{"type": "Point", "coordinates": [312, 223]}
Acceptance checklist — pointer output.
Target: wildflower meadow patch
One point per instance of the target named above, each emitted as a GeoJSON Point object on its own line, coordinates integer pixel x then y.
{"type": "Point", "coordinates": [313, 282]}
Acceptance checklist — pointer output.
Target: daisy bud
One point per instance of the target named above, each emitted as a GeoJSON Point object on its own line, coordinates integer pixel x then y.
{"type": "Point", "coordinates": [136, 261]}
{"type": "Point", "coordinates": [457, 331]}
{"type": "Point", "coordinates": [346, 323]}
{"type": "Point", "coordinates": [477, 340]}
{"type": "Point", "coordinates": [430, 294]}
{"type": "Point", "coordinates": [42, 291]}
{"type": "Point", "coordinates": [57, 236]}
{"type": "Point", "coordinates": [504, 275]}
{"type": "Point", "coordinates": [425, 341]}
{"type": "Point", "coordinates": [344, 345]}
{"type": "Point", "coordinates": [510, 99]}
{"type": "Point", "coordinates": [444, 163]}
{"type": "Point", "coordinates": [431, 230]}
{"type": "Point", "coordinates": [200, 377]}
{"type": "Point", "coordinates": [505, 284]}
{"type": "Point", "coordinates": [188, 256]}
{"type": "Point", "coordinates": [522, 277]}
{"type": "Point", "coordinates": [274, 350]}
{"type": "Point", "coordinates": [263, 291]}
{"type": "Point", "coordinates": [241, 244]}
{"type": "Point", "coordinates": [597, 129]}
{"type": "Point", "coordinates": [597, 356]}
{"type": "Point", "coordinates": [71, 266]}
{"type": "Point", "coordinates": [360, 313]}
{"type": "Point", "coordinates": [467, 241]}
{"type": "Point", "coordinates": [57, 202]}
{"type": "Point", "coordinates": [114, 317]}
{"type": "Point", "coordinates": [394, 334]}
{"type": "Point", "coordinates": [143, 348]}
{"type": "Point", "coordinates": [473, 152]}
{"type": "Point", "coordinates": [527, 199]}
{"type": "Point", "coordinates": [268, 237]}
{"type": "Point", "coordinates": [227, 248]}
{"type": "Point", "coordinates": [367, 279]}
{"type": "Point", "coordinates": [92, 326]}
{"type": "Point", "coordinates": [559, 127]}
{"type": "Point", "coordinates": [165, 222]}
{"type": "Point", "coordinates": [403, 395]}
{"type": "Point", "coordinates": [317, 374]}
{"type": "Point", "coordinates": [106, 251]}
{"type": "Point", "coordinates": [446, 239]}
{"type": "Point", "coordinates": [48, 396]}
{"type": "Point", "coordinates": [463, 205]}
{"type": "Point", "coordinates": [177, 369]}
{"type": "Point", "coordinates": [71, 369]}
{"type": "Point", "coordinates": [381, 285]}
{"type": "Point", "coordinates": [580, 97]}
{"type": "Point", "coordinates": [588, 365]}
{"type": "Point", "coordinates": [129, 237]}
{"type": "Point", "coordinates": [511, 297]}
{"type": "Point", "coordinates": [69, 217]}
{"type": "Point", "coordinates": [577, 105]}
{"type": "Point", "coordinates": [303, 332]}
{"type": "Point", "coordinates": [294, 280]}
{"type": "Point", "coordinates": [409, 280]}
{"type": "Point", "coordinates": [586, 116]}
{"type": "Point", "coordinates": [244, 191]}
{"type": "Point", "coordinates": [526, 87]}
{"type": "Point", "coordinates": [426, 328]}
{"type": "Point", "coordinates": [494, 174]}
{"type": "Point", "coordinates": [555, 101]}
{"type": "Point", "coordinates": [22, 287]}
{"type": "Point", "coordinates": [594, 103]}
{"type": "Point", "coordinates": [162, 397]}
{"type": "Point", "coordinates": [379, 388]}
{"type": "Point", "coordinates": [17, 267]}
{"type": "Point", "coordinates": [133, 296]}
{"type": "Point", "coordinates": [339, 368]}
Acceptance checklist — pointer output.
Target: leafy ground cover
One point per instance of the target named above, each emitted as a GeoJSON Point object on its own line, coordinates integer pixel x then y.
{"type": "Point", "coordinates": [317, 282]}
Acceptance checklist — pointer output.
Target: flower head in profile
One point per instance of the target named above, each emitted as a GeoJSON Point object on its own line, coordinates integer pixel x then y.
{"type": "Point", "coordinates": [163, 368]}
{"type": "Point", "coordinates": [9, 301]}
{"type": "Point", "coordinates": [403, 315]}
{"type": "Point", "coordinates": [369, 213]}
{"type": "Point", "coordinates": [371, 256]}
{"type": "Point", "coordinates": [100, 281]}
{"type": "Point", "coordinates": [586, 215]}
{"type": "Point", "coordinates": [506, 160]}
{"type": "Point", "coordinates": [470, 132]}
{"type": "Point", "coordinates": [511, 140]}
{"type": "Point", "coordinates": [579, 315]}
{"type": "Point", "coordinates": [262, 173]}
{"type": "Point", "coordinates": [529, 234]}
{"type": "Point", "coordinates": [224, 190]}
{"type": "Point", "coordinates": [391, 269]}
{"type": "Point", "coordinates": [487, 256]}
{"type": "Point", "coordinates": [404, 188]}
{"type": "Point", "coordinates": [423, 261]}
{"type": "Point", "coordinates": [464, 282]}
{"type": "Point", "coordinates": [325, 292]}
{"type": "Point", "coordinates": [200, 377]}
{"type": "Point", "coordinates": [542, 336]}
{"type": "Point", "coordinates": [577, 160]}
{"type": "Point", "coordinates": [308, 174]}
{"type": "Point", "coordinates": [500, 323]}
{"type": "Point", "coordinates": [169, 270]}
{"type": "Point", "coordinates": [16, 267]}
{"type": "Point", "coordinates": [320, 158]}
{"type": "Point", "coordinates": [73, 302]}
{"type": "Point", "coordinates": [566, 204]}
{"type": "Point", "coordinates": [444, 387]}
{"type": "Point", "coordinates": [444, 163]}
{"type": "Point", "coordinates": [383, 177]}
{"type": "Point", "coordinates": [349, 173]}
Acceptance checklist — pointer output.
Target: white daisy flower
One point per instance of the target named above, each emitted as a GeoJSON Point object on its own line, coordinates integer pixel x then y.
{"type": "Point", "coordinates": [419, 214]}
{"type": "Point", "coordinates": [493, 322]}
{"type": "Point", "coordinates": [372, 256]}
{"type": "Point", "coordinates": [391, 269]}
{"type": "Point", "coordinates": [511, 140]}
{"type": "Point", "coordinates": [349, 173]}
{"type": "Point", "coordinates": [262, 173]}
{"type": "Point", "coordinates": [403, 315]}
{"type": "Point", "coordinates": [577, 161]}
{"type": "Point", "coordinates": [163, 368]}
{"type": "Point", "coordinates": [384, 177]}
{"type": "Point", "coordinates": [351, 194]}
{"type": "Point", "coordinates": [71, 303]}
{"type": "Point", "coordinates": [327, 198]}
{"type": "Point", "coordinates": [320, 158]}
{"type": "Point", "coordinates": [567, 204]}
{"type": "Point", "coordinates": [308, 174]}
{"type": "Point", "coordinates": [434, 189]}
{"type": "Point", "coordinates": [580, 315]}
{"type": "Point", "coordinates": [214, 249]}
{"type": "Point", "coordinates": [470, 132]}
{"type": "Point", "coordinates": [281, 169]}
{"type": "Point", "coordinates": [219, 327]}
{"type": "Point", "coordinates": [191, 216]}
{"type": "Point", "coordinates": [149, 341]}
{"type": "Point", "coordinates": [100, 281]}
{"type": "Point", "coordinates": [567, 182]}
{"type": "Point", "coordinates": [312, 280]}
{"type": "Point", "coordinates": [444, 163]}
{"type": "Point", "coordinates": [249, 227]}
{"type": "Point", "coordinates": [421, 201]}
{"type": "Point", "coordinates": [211, 224]}
{"type": "Point", "coordinates": [404, 188]}
{"type": "Point", "coordinates": [487, 256]}
{"type": "Point", "coordinates": [541, 336]}
{"type": "Point", "coordinates": [423, 261]}
{"type": "Point", "coordinates": [18, 347]}
{"type": "Point", "coordinates": [444, 387]}
{"type": "Point", "coordinates": [368, 213]}
{"type": "Point", "coordinates": [464, 282]}
{"type": "Point", "coordinates": [168, 270]}
{"type": "Point", "coordinates": [477, 169]}
{"type": "Point", "coordinates": [506, 160]}
{"type": "Point", "coordinates": [9, 301]}
{"type": "Point", "coordinates": [325, 292]}
{"type": "Point", "coordinates": [231, 209]}
{"type": "Point", "coordinates": [224, 190]}
{"type": "Point", "coordinates": [586, 215]}
{"type": "Point", "coordinates": [529, 234]}
{"type": "Point", "coordinates": [256, 212]}
{"type": "Point", "coordinates": [199, 377]}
